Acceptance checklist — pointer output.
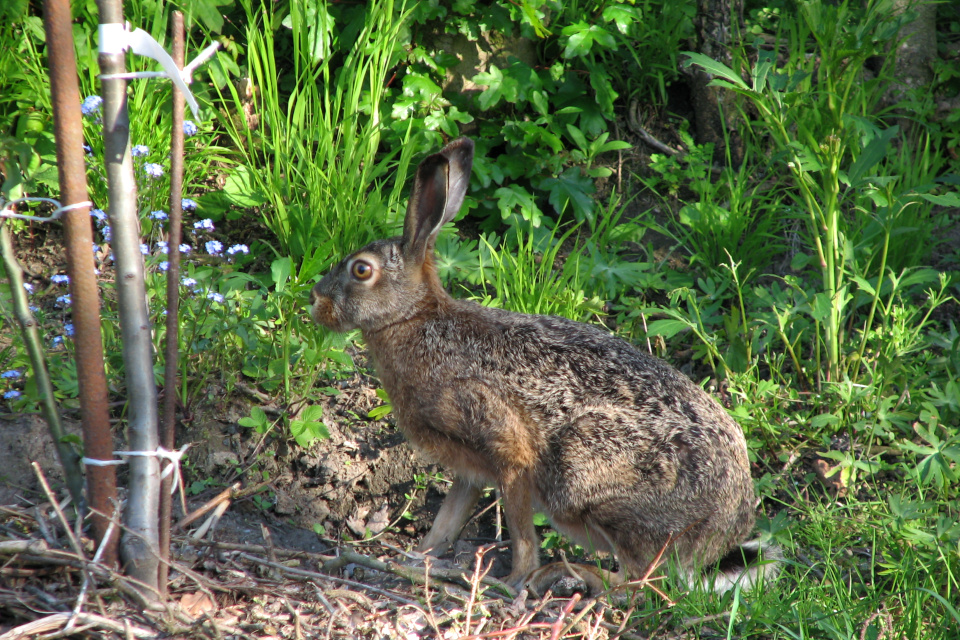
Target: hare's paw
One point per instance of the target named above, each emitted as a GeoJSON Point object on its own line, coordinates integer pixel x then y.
{"type": "Point", "coordinates": [564, 579]}
{"type": "Point", "coordinates": [454, 513]}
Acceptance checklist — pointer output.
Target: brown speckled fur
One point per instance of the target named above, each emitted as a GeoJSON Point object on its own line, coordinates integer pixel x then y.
{"type": "Point", "coordinates": [617, 447]}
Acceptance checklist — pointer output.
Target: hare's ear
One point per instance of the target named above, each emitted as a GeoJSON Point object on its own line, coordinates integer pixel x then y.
{"type": "Point", "coordinates": [438, 192]}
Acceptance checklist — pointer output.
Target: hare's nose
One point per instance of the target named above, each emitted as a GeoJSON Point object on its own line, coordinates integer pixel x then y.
{"type": "Point", "coordinates": [313, 297]}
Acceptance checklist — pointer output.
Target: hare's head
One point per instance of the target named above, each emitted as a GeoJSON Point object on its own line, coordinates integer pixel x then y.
{"type": "Point", "coordinates": [388, 281]}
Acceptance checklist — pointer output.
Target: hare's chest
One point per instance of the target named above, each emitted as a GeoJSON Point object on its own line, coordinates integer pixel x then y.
{"type": "Point", "coordinates": [447, 449]}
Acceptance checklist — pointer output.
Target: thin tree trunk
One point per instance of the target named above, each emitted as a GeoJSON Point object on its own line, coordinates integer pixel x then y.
{"type": "Point", "coordinates": [69, 459]}
{"type": "Point", "coordinates": [718, 23]}
{"type": "Point", "coordinates": [91, 377]}
{"type": "Point", "coordinates": [139, 546]}
{"type": "Point", "coordinates": [168, 427]}
{"type": "Point", "coordinates": [918, 46]}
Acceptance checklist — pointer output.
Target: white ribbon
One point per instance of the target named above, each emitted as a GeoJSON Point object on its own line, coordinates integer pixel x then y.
{"type": "Point", "coordinates": [7, 212]}
{"type": "Point", "coordinates": [117, 38]}
{"type": "Point", "coordinates": [161, 453]}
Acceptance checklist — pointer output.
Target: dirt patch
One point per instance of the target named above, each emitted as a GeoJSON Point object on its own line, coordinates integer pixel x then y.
{"type": "Point", "coordinates": [363, 481]}
{"type": "Point", "coordinates": [26, 439]}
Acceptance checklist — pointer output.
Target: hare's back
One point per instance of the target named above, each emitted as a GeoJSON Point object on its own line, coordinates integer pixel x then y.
{"type": "Point", "coordinates": [580, 363]}
{"type": "Point", "coordinates": [612, 420]}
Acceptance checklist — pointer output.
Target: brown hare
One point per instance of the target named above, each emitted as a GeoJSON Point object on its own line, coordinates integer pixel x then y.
{"type": "Point", "coordinates": [620, 450]}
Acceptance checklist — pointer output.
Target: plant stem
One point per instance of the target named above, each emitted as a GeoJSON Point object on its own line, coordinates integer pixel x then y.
{"type": "Point", "coordinates": [876, 298]}
{"type": "Point", "coordinates": [69, 458]}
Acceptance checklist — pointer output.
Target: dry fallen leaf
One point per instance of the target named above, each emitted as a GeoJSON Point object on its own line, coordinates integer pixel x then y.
{"type": "Point", "coordinates": [379, 520]}
{"type": "Point", "coordinates": [197, 604]}
{"type": "Point", "coordinates": [831, 477]}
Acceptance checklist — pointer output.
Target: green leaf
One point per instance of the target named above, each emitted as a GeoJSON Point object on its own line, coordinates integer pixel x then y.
{"type": "Point", "coordinates": [381, 412]}
{"type": "Point", "coordinates": [313, 413]}
{"type": "Point", "coordinates": [766, 61]}
{"type": "Point", "coordinates": [515, 196]}
{"type": "Point", "coordinates": [823, 420]}
{"type": "Point", "coordinates": [804, 157]}
{"type": "Point", "coordinates": [873, 153]}
{"type": "Point", "coordinates": [622, 15]}
{"type": "Point", "coordinates": [820, 306]}
{"type": "Point", "coordinates": [499, 87]}
{"type": "Point", "coordinates": [418, 85]}
{"type": "Point", "coordinates": [579, 139]}
{"type": "Point", "coordinates": [280, 272]}
{"type": "Point", "coordinates": [951, 199]}
{"type": "Point", "coordinates": [530, 13]}
{"type": "Point", "coordinates": [713, 67]}
{"type": "Point", "coordinates": [603, 88]}
{"type": "Point", "coordinates": [666, 328]}
{"type": "Point", "coordinates": [241, 190]}
{"type": "Point", "coordinates": [306, 431]}
{"type": "Point", "coordinates": [573, 188]}
{"type": "Point", "coordinates": [800, 261]}
{"type": "Point", "coordinates": [257, 420]}
{"type": "Point", "coordinates": [539, 101]}
{"type": "Point", "coordinates": [208, 12]}
{"type": "Point", "coordinates": [865, 285]}
{"type": "Point", "coordinates": [919, 276]}
{"type": "Point", "coordinates": [582, 37]}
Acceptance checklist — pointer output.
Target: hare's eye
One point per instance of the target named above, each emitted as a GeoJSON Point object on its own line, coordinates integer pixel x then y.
{"type": "Point", "coordinates": [361, 270]}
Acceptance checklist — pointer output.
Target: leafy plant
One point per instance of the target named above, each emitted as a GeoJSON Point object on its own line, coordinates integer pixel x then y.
{"type": "Point", "coordinates": [257, 420]}
{"type": "Point", "coordinates": [825, 144]}
{"type": "Point", "coordinates": [309, 427]}
{"type": "Point", "coordinates": [329, 115]}
{"type": "Point", "coordinates": [531, 282]}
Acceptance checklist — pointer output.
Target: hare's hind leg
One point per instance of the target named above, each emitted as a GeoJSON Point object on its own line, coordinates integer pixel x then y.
{"type": "Point", "coordinates": [454, 512]}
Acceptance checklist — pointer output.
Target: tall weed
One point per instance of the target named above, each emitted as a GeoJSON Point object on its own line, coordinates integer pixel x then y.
{"type": "Point", "coordinates": [819, 115]}
{"type": "Point", "coordinates": [312, 164]}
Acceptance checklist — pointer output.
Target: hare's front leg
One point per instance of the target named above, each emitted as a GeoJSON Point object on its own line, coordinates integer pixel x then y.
{"type": "Point", "coordinates": [518, 508]}
{"type": "Point", "coordinates": [454, 512]}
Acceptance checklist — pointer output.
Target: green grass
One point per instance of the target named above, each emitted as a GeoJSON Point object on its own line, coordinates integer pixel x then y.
{"type": "Point", "coordinates": [313, 161]}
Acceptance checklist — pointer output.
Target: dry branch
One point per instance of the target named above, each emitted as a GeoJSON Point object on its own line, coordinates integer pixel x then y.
{"type": "Point", "coordinates": [416, 575]}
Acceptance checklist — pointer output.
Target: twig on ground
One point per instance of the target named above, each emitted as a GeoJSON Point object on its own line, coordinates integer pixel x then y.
{"type": "Point", "coordinates": [211, 522]}
{"type": "Point", "coordinates": [588, 606]}
{"type": "Point", "coordinates": [82, 598]}
{"type": "Point", "coordinates": [431, 616]}
{"type": "Point", "coordinates": [230, 493]}
{"type": "Point", "coordinates": [364, 601]}
{"type": "Point", "coordinates": [87, 620]}
{"type": "Point", "coordinates": [413, 574]}
{"type": "Point", "coordinates": [257, 548]}
{"type": "Point", "coordinates": [13, 547]}
{"type": "Point", "coordinates": [43, 527]}
{"type": "Point", "coordinates": [266, 401]}
{"type": "Point", "coordinates": [633, 120]}
{"type": "Point", "coordinates": [313, 575]}
{"type": "Point", "coordinates": [686, 623]}
{"type": "Point", "coordinates": [478, 574]}
{"type": "Point", "coordinates": [323, 599]}
{"type": "Point", "coordinates": [557, 625]}
{"type": "Point", "coordinates": [794, 456]}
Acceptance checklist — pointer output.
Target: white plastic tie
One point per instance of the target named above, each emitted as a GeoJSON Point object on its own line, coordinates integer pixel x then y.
{"type": "Point", "coordinates": [173, 457]}
{"type": "Point", "coordinates": [117, 38]}
{"type": "Point", "coordinates": [7, 212]}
